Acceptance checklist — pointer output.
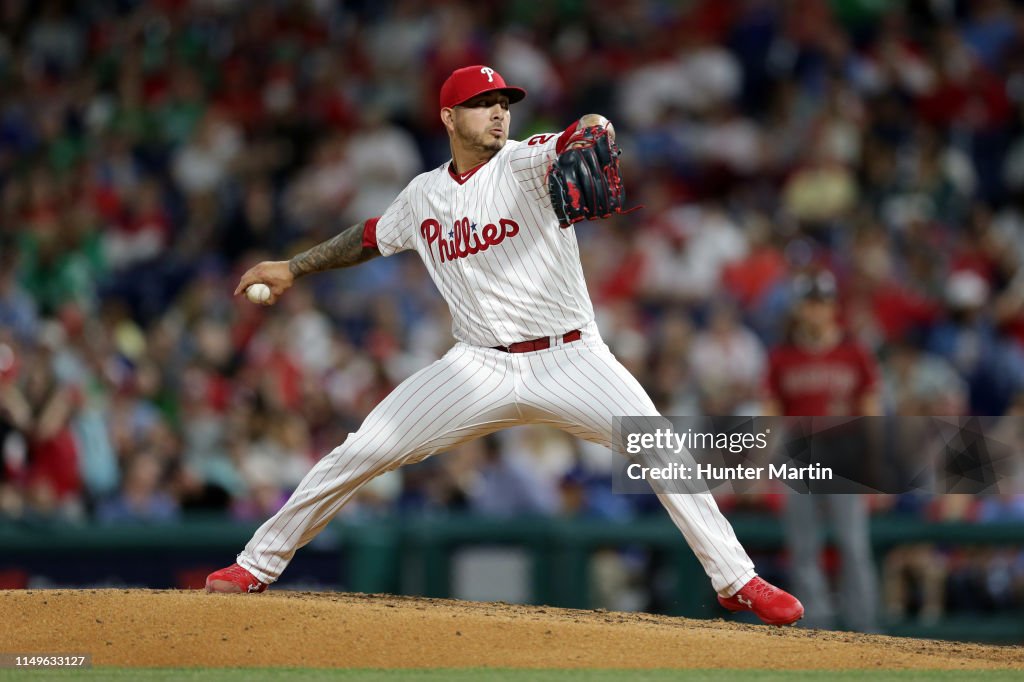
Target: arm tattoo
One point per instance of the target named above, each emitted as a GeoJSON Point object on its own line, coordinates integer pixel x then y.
{"type": "Point", "coordinates": [340, 251]}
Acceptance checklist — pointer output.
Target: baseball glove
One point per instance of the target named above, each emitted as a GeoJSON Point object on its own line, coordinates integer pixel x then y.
{"type": "Point", "coordinates": [584, 181]}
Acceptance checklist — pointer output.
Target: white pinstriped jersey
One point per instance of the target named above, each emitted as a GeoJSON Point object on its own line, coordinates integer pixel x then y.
{"type": "Point", "coordinates": [492, 244]}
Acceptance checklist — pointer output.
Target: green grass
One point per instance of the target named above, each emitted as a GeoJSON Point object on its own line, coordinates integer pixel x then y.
{"type": "Point", "coordinates": [500, 675]}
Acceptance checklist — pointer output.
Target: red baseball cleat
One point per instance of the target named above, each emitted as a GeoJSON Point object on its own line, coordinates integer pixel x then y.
{"type": "Point", "coordinates": [769, 603]}
{"type": "Point", "coordinates": [233, 579]}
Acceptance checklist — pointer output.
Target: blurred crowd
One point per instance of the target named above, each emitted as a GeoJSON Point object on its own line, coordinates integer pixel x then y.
{"type": "Point", "coordinates": [151, 151]}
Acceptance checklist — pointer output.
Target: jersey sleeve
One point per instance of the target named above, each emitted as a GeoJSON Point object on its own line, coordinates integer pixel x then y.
{"type": "Point", "coordinates": [393, 231]}
{"type": "Point", "coordinates": [532, 158]}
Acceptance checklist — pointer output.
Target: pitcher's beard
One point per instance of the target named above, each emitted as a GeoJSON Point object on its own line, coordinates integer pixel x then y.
{"type": "Point", "coordinates": [485, 143]}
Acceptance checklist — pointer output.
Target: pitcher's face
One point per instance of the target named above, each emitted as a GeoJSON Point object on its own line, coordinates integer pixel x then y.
{"type": "Point", "coordinates": [481, 123]}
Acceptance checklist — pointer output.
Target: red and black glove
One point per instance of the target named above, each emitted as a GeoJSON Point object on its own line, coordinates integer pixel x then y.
{"type": "Point", "coordinates": [584, 181]}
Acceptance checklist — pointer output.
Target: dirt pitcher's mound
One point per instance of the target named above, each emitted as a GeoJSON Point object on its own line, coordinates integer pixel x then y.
{"type": "Point", "coordinates": [171, 628]}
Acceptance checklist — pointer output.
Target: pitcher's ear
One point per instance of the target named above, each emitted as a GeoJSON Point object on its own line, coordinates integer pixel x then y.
{"type": "Point", "coordinates": [448, 117]}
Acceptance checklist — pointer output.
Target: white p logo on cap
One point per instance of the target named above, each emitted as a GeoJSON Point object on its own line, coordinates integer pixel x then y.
{"type": "Point", "coordinates": [489, 72]}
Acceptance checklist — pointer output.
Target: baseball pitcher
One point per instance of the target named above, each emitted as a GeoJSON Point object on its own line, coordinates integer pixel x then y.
{"type": "Point", "coordinates": [494, 227]}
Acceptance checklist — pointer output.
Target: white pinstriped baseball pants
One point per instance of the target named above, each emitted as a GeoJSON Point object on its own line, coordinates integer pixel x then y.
{"type": "Point", "coordinates": [470, 392]}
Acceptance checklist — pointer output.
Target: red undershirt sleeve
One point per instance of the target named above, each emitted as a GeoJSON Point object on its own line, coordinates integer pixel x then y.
{"type": "Point", "coordinates": [370, 233]}
{"type": "Point", "coordinates": [563, 139]}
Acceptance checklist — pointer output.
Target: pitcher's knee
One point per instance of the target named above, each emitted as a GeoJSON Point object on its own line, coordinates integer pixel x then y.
{"type": "Point", "coordinates": [365, 455]}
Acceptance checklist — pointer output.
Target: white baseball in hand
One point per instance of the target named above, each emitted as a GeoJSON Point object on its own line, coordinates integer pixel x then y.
{"type": "Point", "coordinates": [258, 293]}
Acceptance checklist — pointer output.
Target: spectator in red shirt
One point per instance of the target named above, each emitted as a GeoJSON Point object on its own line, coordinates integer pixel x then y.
{"type": "Point", "coordinates": [822, 371]}
{"type": "Point", "coordinates": [41, 408]}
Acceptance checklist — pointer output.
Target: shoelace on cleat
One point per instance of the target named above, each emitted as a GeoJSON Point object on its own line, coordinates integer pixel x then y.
{"type": "Point", "coordinates": [238, 572]}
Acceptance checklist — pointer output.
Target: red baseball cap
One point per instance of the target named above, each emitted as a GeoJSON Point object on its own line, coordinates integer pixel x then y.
{"type": "Point", "coordinates": [470, 81]}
